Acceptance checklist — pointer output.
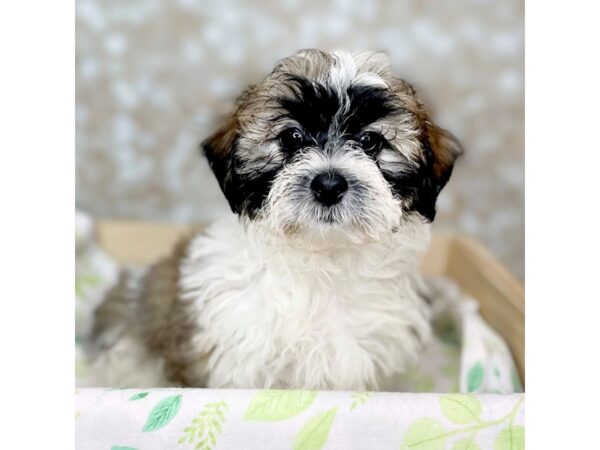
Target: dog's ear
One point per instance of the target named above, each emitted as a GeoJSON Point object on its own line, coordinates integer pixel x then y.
{"type": "Point", "coordinates": [444, 149]}
{"type": "Point", "coordinates": [219, 150]}
{"type": "Point", "coordinates": [441, 149]}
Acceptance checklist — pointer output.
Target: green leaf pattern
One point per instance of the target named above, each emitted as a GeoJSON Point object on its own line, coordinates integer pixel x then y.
{"type": "Point", "coordinates": [475, 377]}
{"type": "Point", "coordinates": [428, 434]}
{"type": "Point", "coordinates": [313, 434]}
{"type": "Point", "coordinates": [297, 420]}
{"type": "Point", "coordinates": [271, 405]}
{"type": "Point", "coordinates": [206, 427]}
{"type": "Point", "coordinates": [460, 408]}
{"type": "Point", "coordinates": [424, 434]}
{"type": "Point", "coordinates": [163, 413]}
{"type": "Point", "coordinates": [466, 444]}
{"type": "Point", "coordinates": [511, 438]}
{"type": "Point", "coordinates": [139, 396]}
{"type": "Point", "coordinates": [360, 398]}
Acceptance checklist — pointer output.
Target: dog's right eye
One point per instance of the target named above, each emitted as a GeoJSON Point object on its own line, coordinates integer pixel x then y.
{"type": "Point", "coordinates": [291, 139]}
{"type": "Point", "coordinates": [370, 141]}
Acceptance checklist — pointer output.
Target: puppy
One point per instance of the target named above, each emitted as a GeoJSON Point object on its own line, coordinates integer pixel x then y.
{"type": "Point", "coordinates": [332, 167]}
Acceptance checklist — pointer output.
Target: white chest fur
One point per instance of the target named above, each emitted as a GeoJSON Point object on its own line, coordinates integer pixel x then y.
{"type": "Point", "coordinates": [273, 315]}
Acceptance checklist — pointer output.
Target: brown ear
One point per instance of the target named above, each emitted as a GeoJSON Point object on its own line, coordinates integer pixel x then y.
{"type": "Point", "coordinates": [445, 149]}
{"type": "Point", "coordinates": [218, 149]}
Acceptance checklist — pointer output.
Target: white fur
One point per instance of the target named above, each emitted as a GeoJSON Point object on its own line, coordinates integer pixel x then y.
{"type": "Point", "coordinates": [345, 72]}
{"type": "Point", "coordinates": [277, 313]}
{"type": "Point", "coordinates": [297, 316]}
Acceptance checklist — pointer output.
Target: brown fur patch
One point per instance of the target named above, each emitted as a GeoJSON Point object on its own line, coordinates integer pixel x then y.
{"type": "Point", "coordinates": [156, 312]}
{"type": "Point", "coordinates": [220, 142]}
{"type": "Point", "coordinates": [444, 146]}
{"type": "Point", "coordinates": [169, 321]}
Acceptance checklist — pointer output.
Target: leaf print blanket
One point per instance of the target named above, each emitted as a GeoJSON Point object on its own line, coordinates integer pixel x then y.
{"type": "Point", "coordinates": [209, 419]}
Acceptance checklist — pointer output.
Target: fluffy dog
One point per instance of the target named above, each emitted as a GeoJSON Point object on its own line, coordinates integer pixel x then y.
{"type": "Point", "coordinates": [332, 167]}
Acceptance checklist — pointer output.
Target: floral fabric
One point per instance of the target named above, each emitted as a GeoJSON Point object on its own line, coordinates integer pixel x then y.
{"type": "Point", "coordinates": [208, 419]}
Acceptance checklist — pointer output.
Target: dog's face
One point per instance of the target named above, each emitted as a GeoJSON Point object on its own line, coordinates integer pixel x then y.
{"type": "Point", "coordinates": [331, 141]}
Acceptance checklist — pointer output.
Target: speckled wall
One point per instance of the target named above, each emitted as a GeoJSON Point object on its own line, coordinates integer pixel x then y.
{"type": "Point", "coordinates": [153, 77]}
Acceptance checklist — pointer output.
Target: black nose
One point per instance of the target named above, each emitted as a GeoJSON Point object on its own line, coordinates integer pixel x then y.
{"type": "Point", "coordinates": [329, 187]}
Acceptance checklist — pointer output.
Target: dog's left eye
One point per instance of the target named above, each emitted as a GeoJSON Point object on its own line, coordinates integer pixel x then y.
{"type": "Point", "coordinates": [371, 141]}
{"type": "Point", "coordinates": [292, 138]}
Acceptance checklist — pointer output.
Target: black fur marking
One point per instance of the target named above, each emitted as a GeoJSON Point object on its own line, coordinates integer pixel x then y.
{"type": "Point", "coordinates": [417, 187]}
{"type": "Point", "coordinates": [220, 165]}
{"type": "Point", "coordinates": [251, 191]}
{"type": "Point", "coordinates": [245, 193]}
{"type": "Point", "coordinates": [312, 105]}
{"type": "Point", "coordinates": [367, 105]}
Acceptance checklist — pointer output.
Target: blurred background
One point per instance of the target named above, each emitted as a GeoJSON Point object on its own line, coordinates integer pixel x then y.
{"type": "Point", "coordinates": [153, 78]}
